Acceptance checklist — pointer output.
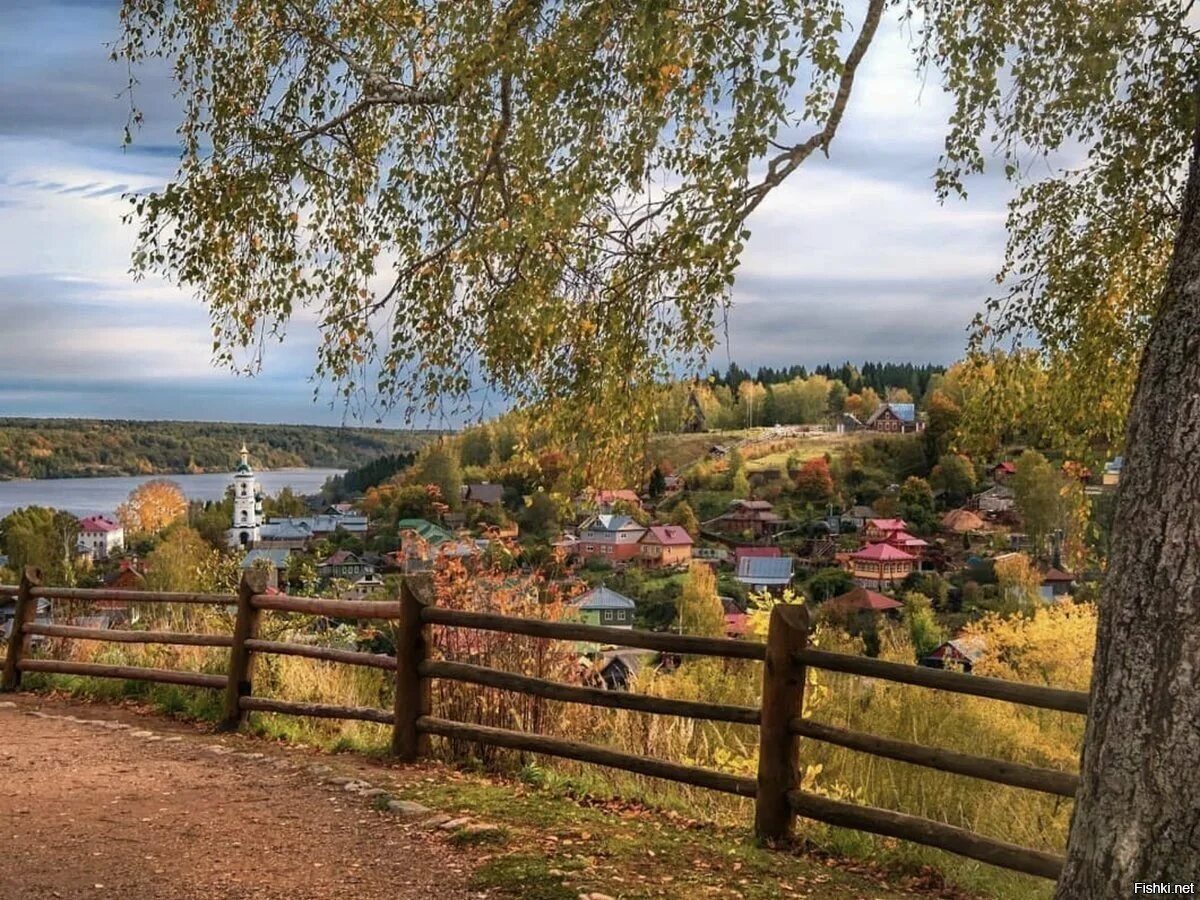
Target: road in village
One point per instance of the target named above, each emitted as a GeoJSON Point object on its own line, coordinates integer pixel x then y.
{"type": "Point", "coordinates": [98, 807]}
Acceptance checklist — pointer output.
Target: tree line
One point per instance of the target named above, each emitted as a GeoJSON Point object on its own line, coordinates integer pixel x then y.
{"type": "Point", "coordinates": [71, 448]}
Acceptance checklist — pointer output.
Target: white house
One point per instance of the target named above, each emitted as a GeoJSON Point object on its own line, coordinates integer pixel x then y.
{"type": "Point", "coordinates": [100, 537]}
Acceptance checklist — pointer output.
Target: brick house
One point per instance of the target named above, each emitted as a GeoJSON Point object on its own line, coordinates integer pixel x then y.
{"type": "Point", "coordinates": [666, 545]}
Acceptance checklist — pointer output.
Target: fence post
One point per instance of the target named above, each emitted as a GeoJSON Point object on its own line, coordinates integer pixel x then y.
{"type": "Point", "coordinates": [18, 640]}
{"type": "Point", "coordinates": [241, 659]}
{"type": "Point", "coordinates": [413, 694]}
{"type": "Point", "coordinates": [782, 699]}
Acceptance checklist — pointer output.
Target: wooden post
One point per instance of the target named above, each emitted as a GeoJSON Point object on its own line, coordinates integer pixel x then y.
{"type": "Point", "coordinates": [782, 699]}
{"type": "Point", "coordinates": [241, 657]}
{"type": "Point", "coordinates": [18, 641]}
{"type": "Point", "coordinates": [413, 694]}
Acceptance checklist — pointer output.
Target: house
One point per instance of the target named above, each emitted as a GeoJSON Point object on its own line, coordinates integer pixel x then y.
{"type": "Point", "coordinates": [1002, 471]}
{"type": "Point", "coordinates": [908, 542]}
{"type": "Point", "coordinates": [881, 529]}
{"type": "Point", "coordinates": [340, 509]}
{"type": "Point", "coordinates": [858, 516]}
{"type": "Point", "coordinates": [756, 517]}
{"type": "Point", "coordinates": [765, 573]}
{"type": "Point", "coordinates": [619, 667]}
{"type": "Point", "coordinates": [737, 623]}
{"type": "Point", "coordinates": [610, 537]}
{"type": "Point", "coordinates": [606, 501]}
{"type": "Point", "coordinates": [846, 423]}
{"type": "Point", "coordinates": [604, 606]}
{"type": "Point", "coordinates": [363, 587]}
{"type": "Point", "coordinates": [712, 555]}
{"type": "Point", "coordinates": [740, 553]}
{"type": "Point", "coordinates": [344, 564]}
{"type": "Point", "coordinates": [483, 494]}
{"type": "Point", "coordinates": [962, 521]}
{"type": "Point", "coordinates": [996, 499]}
{"type": "Point", "coordinates": [666, 545]}
{"type": "Point", "coordinates": [673, 484]}
{"type": "Point", "coordinates": [895, 418]}
{"type": "Point", "coordinates": [1056, 583]}
{"type": "Point", "coordinates": [283, 534]}
{"type": "Point", "coordinates": [423, 528]}
{"type": "Point", "coordinates": [274, 560]}
{"type": "Point", "coordinates": [128, 577]}
{"type": "Point", "coordinates": [100, 537]}
{"type": "Point", "coordinates": [880, 566]}
{"type": "Point", "coordinates": [861, 600]}
{"type": "Point", "coordinates": [960, 653]}
{"type": "Point", "coordinates": [1111, 476]}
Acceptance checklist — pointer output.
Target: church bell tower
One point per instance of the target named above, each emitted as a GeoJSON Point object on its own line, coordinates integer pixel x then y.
{"type": "Point", "coordinates": [247, 505]}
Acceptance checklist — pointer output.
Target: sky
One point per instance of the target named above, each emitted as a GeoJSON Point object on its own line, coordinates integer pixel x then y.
{"type": "Point", "coordinates": [851, 259]}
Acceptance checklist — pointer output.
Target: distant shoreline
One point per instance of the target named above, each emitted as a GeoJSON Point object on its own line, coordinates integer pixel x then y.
{"type": "Point", "coordinates": [8, 479]}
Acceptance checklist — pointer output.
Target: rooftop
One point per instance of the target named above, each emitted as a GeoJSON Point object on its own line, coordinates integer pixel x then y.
{"type": "Point", "coordinates": [602, 597]}
{"type": "Point", "coordinates": [98, 524]}
{"type": "Point", "coordinates": [765, 570]}
{"type": "Point", "coordinates": [862, 599]}
{"type": "Point", "coordinates": [670, 535]}
{"type": "Point", "coordinates": [882, 553]}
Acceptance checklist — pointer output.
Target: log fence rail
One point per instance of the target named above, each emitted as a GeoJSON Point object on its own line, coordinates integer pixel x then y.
{"type": "Point", "coordinates": [782, 726]}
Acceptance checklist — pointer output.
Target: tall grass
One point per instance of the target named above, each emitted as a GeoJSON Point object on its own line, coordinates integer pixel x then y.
{"type": "Point", "coordinates": [1051, 647]}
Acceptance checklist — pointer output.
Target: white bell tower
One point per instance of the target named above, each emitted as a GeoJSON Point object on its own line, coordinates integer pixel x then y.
{"type": "Point", "coordinates": [247, 505]}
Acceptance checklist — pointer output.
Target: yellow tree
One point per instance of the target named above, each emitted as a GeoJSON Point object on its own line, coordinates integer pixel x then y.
{"type": "Point", "coordinates": [700, 609]}
{"type": "Point", "coordinates": [152, 506]}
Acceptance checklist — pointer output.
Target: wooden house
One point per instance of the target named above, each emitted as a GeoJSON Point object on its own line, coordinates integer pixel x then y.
{"type": "Point", "coordinates": [666, 545]}
{"type": "Point", "coordinates": [754, 517]}
{"type": "Point", "coordinates": [881, 566]}
{"type": "Point", "coordinates": [615, 538]}
{"type": "Point", "coordinates": [604, 606]}
{"type": "Point", "coordinates": [895, 418]}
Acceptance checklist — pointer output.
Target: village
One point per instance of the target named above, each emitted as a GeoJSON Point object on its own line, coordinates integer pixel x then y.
{"type": "Point", "coordinates": [897, 554]}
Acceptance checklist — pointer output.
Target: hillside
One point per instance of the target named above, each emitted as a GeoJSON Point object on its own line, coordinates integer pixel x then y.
{"type": "Point", "coordinates": [74, 448]}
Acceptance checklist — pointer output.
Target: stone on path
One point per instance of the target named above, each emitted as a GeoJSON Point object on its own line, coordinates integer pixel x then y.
{"type": "Point", "coordinates": [455, 824]}
{"type": "Point", "coordinates": [406, 809]}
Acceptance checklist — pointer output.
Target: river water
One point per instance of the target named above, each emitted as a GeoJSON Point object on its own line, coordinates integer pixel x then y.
{"type": "Point", "coordinates": [89, 496]}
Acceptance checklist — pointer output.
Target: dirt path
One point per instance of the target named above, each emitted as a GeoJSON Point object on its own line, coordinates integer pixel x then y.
{"type": "Point", "coordinates": [100, 807]}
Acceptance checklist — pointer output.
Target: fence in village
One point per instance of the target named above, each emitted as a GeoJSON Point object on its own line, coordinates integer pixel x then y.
{"type": "Point", "coordinates": [780, 719]}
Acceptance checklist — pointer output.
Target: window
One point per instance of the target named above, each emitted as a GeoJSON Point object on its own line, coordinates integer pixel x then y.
{"type": "Point", "coordinates": [608, 614]}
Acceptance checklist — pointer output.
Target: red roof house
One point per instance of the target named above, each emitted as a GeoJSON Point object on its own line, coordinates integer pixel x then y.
{"type": "Point", "coordinates": [666, 545]}
{"type": "Point", "coordinates": [880, 566]}
{"type": "Point", "coordinates": [860, 599]}
{"type": "Point", "coordinates": [880, 529]}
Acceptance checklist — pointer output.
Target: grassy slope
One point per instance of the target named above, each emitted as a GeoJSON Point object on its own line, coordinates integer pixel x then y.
{"type": "Point", "coordinates": [558, 848]}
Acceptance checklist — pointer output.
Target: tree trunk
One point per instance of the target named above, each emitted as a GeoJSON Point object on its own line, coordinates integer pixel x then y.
{"type": "Point", "coordinates": [1137, 814]}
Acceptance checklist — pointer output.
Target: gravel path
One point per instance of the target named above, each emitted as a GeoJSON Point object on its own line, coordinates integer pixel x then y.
{"type": "Point", "coordinates": [95, 805]}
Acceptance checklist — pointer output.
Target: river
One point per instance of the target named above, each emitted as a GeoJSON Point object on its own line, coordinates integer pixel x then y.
{"type": "Point", "coordinates": [88, 496]}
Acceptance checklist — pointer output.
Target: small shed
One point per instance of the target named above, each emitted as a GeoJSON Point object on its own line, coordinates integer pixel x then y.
{"type": "Point", "coordinates": [960, 653]}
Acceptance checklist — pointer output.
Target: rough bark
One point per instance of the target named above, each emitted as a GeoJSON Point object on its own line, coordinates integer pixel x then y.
{"type": "Point", "coordinates": [1137, 815]}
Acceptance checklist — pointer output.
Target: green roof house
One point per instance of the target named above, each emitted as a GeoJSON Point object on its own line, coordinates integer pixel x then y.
{"type": "Point", "coordinates": [604, 606]}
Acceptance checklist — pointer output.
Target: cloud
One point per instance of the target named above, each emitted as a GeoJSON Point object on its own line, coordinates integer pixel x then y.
{"type": "Point", "coordinates": [852, 258]}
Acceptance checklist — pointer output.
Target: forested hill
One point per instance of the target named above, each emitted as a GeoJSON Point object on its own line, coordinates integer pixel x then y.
{"type": "Point", "coordinates": [69, 448]}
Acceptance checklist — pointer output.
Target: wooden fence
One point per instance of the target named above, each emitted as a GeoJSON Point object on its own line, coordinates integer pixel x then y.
{"type": "Point", "coordinates": [782, 726]}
